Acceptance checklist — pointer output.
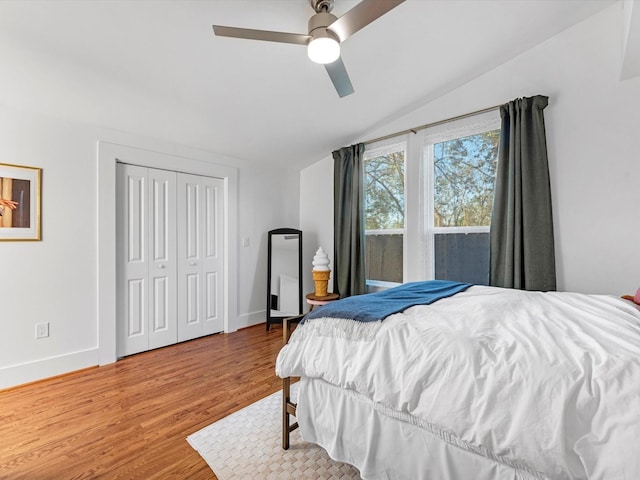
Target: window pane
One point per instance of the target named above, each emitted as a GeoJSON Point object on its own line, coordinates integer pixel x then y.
{"type": "Point", "coordinates": [383, 256]}
{"type": "Point", "coordinates": [384, 191]}
{"type": "Point", "coordinates": [464, 174]}
{"type": "Point", "coordinates": [384, 213]}
{"type": "Point", "coordinates": [462, 257]}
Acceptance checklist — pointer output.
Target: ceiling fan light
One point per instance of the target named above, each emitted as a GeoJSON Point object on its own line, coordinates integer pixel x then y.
{"type": "Point", "coordinates": [323, 50]}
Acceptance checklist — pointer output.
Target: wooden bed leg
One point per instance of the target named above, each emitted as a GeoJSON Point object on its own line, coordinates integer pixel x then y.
{"type": "Point", "coordinates": [286, 390]}
{"type": "Point", "coordinates": [288, 407]}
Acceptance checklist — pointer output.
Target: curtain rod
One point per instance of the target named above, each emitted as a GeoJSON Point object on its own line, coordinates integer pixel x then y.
{"type": "Point", "coordinates": [433, 124]}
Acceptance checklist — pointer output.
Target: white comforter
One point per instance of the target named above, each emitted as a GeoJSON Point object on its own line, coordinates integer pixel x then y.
{"type": "Point", "coordinates": [548, 383]}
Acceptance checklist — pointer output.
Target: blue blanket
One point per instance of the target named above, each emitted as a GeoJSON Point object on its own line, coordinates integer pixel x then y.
{"type": "Point", "coordinates": [377, 306]}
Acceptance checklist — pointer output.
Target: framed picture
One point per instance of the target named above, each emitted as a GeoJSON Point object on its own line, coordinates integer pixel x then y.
{"type": "Point", "coordinates": [19, 202]}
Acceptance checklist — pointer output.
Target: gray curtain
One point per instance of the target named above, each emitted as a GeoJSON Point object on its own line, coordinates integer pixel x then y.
{"type": "Point", "coordinates": [522, 249]}
{"type": "Point", "coordinates": [348, 265]}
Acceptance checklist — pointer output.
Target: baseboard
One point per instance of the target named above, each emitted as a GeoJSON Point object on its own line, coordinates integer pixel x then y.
{"type": "Point", "coordinates": [14, 375]}
{"type": "Point", "coordinates": [250, 319]}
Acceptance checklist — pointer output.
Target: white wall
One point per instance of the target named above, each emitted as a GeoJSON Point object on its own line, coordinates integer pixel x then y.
{"type": "Point", "coordinates": [56, 279]}
{"type": "Point", "coordinates": [276, 206]}
{"type": "Point", "coordinates": [316, 216]}
{"type": "Point", "coordinates": [592, 122]}
{"type": "Point", "coordinates": [52, 280]}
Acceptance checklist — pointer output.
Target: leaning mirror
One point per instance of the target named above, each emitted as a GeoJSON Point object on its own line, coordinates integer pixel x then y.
{"type": "Point", "coordinates": [284, 274]}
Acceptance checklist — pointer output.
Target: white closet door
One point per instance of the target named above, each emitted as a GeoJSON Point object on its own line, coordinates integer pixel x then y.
{"type": "Point", "coordinates": [200, 263]}
{"type": "Point", "coordinates": [147, 266]}
{"type": "Point", "coordinates": [189, 257]}
{"type": "Point", "coordinates": [163, 267]}
{"type": "Point", "coordinates": [132, 252]}
{"type": "Point", "coordinates": [213, 257]}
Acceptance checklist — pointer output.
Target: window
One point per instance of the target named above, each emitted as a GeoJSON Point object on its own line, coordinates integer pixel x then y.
{"type": "Point", "coordinates": [384, 205]}
{"type": "Point", "coordinates": [462, 174]}
{"type": "Point", "coordinates": [428, 202]}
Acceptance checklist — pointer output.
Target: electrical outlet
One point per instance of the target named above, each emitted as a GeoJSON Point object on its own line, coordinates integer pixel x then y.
{"type": "Point", "coordinates": [42, 330]}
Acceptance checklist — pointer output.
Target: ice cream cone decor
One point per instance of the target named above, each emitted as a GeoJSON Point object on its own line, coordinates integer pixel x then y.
{"type": "Point", "coordinates": [321, 272]}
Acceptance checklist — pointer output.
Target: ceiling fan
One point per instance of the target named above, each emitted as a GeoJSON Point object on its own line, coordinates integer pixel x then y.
{"type": "Point", "coordinates": [326, 32]}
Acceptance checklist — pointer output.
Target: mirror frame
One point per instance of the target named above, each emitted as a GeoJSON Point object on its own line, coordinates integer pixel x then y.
{"type": "Point", "coordinates": [283, 231]}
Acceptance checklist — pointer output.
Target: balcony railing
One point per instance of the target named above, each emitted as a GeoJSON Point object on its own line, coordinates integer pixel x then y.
{"type": "Point", "coordinates": [384, 255]}
{"type": "Point", "coordinates": [460, 256]}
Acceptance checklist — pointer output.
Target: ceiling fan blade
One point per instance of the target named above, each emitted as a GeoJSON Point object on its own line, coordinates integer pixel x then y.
{"type": "Point", "coordinates": [339, 77]}
{"type": "Point", "coordinates": [360, 16]}
{"type": "Point", "coordinates": [267, 35]}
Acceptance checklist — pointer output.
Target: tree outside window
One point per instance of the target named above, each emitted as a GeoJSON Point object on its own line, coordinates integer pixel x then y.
{"type": "Point", "coordinates": [384, 191]}
{"type": "Point", "coordinates": [464, 177]}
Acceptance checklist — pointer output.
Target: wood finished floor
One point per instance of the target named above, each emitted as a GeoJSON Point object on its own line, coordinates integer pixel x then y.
{"type": "Point", "coordinates": [129, 420]}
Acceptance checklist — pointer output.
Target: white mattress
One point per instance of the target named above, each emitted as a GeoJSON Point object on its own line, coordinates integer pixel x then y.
{"type": "Point", "coordinates": [540, 385]}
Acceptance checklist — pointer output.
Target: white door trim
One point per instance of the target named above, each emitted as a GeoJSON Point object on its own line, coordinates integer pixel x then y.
{"type": "Point", "coordinates": [108, 155]}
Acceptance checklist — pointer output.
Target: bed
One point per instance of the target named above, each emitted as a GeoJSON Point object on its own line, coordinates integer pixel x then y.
{"type": "Point", "coordinates": [486, 383]}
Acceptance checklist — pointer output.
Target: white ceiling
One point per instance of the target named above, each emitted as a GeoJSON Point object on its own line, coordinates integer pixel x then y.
{"type": "Point", "coordinates": [155, 68]}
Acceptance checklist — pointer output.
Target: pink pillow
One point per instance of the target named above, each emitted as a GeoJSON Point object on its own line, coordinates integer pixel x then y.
{"type": "Point", "coordinates": [637, 297]}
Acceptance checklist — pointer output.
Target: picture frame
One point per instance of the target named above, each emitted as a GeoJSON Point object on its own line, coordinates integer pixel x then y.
{"type": "Point", "coordinates": [20, 202]}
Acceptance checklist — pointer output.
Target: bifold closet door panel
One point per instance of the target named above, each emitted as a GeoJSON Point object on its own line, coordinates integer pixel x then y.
{"type": "Point", "coordinates": [163, 265]}
{"type": "Point", "coordinates": [190, 317]}
{"type": "Point", "coordinates": [213, 254]}
{"type": "Point", "coordinates": [200, 257]}
{"type": "Point", "coordinates": [132, 259]}
{"type": "Point", "coordinates": [146, 259]}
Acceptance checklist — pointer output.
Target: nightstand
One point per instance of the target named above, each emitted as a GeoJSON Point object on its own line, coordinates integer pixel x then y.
{"type": "Point", "coordinates": [313, 299]}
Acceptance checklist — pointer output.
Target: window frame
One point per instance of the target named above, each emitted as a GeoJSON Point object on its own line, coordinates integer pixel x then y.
{"type": "Point", "coordinates": [419, 232]}
{"type": "Point", "coordinates": [373, 150]}
{"type": "Point", "coordinates": [472, 125]}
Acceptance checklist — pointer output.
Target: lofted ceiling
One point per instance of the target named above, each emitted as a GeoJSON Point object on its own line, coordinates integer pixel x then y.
{"type": "Point", "coordinates": [154, 68]}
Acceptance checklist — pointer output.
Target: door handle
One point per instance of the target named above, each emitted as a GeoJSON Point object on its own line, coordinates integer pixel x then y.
{"type": "Point", "coordinates": [193, 264]}
{"type": "Point", "coordinates": [161, 266]}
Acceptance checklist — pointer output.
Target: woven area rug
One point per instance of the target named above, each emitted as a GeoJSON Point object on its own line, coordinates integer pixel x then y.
{"type": "Point", "coordinates": [247, 445]}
